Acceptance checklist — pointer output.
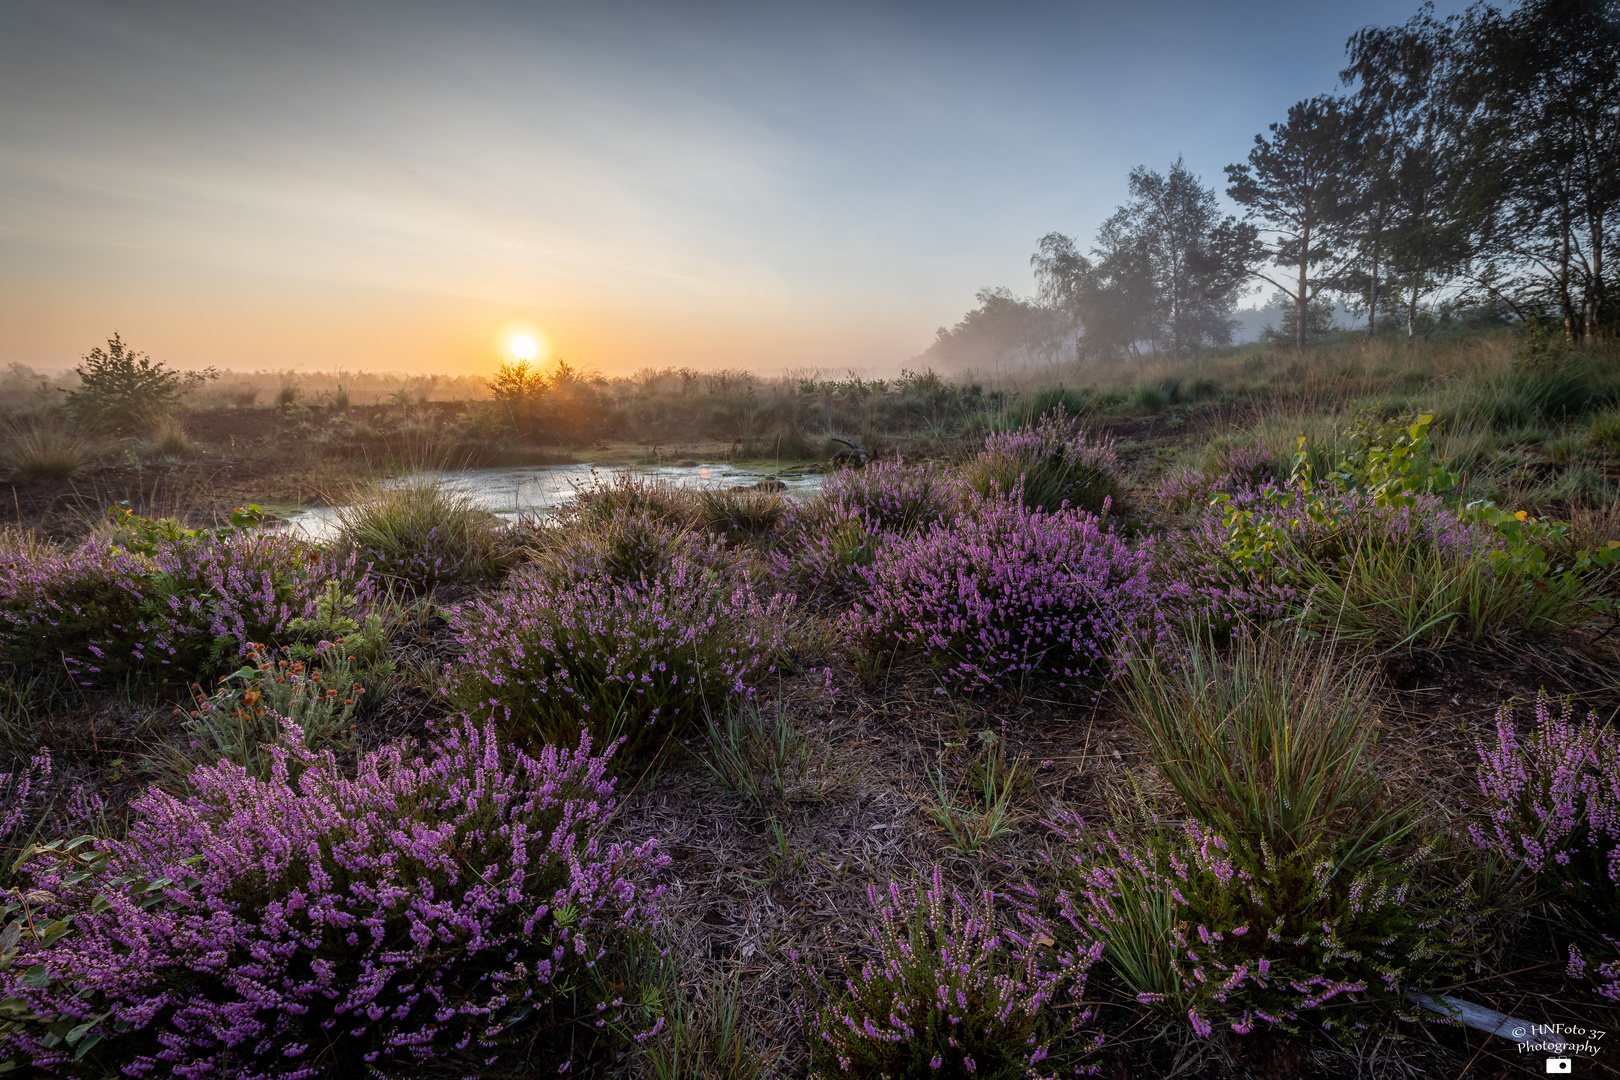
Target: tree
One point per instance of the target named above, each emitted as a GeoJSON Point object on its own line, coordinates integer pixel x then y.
{"type": "Point", "coordinates": [1545, 79]}
{"type": "Point", "coordinates": [1102, 302]}
{"type": "Point", "coordinates": [1187, 261]}
{"type": "Point", "coordinates": [519, 390]}
{"type": "Point", "coordinates": [1004, 329]}
{"type": "Point", "coordinates": [1411, 190]}
{"type": "Point", "coordinates": [1296, 186]}
{"type": "Point", "coordinates": [126, 390]}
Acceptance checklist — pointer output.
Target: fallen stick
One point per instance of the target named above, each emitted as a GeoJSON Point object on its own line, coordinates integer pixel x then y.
{"type": "Point", "coordinates": [1477, 1017]}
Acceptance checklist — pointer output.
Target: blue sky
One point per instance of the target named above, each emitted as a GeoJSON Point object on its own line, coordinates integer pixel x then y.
{"type": "Point", "coordinates": [399, 185]}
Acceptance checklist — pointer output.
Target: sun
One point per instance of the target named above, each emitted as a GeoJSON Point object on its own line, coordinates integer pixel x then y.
{"type": "Point", "coordinates": [523, 347]}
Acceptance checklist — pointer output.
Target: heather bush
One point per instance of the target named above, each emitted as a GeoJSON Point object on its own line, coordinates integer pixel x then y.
{"type": "Point", "coordinates": [1551, 810]}
{"type": "Point", "coordinates": [419, 533]}
{"type": "Point", "coordinates": [949, 994]}
{"type": "Point", "coordinates": [1226, 470]}
{"type": "Point", "coordinates": [1007, 596]}
{"type": "Point", "coordinates": [1228, 930]}
{"type": "Point", "coordinates": [435, 905]}
{"type": "Point", "coordinates": [172, 607]}
{"type": "Point", "coordinates": [825, 541]}
{"type": "Point", "coordinates": [640, 660]}
{"type": "Point", "coordinates": [1050, 465]}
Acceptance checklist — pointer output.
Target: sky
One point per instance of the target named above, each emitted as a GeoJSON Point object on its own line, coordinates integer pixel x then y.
{"type": "Point", "coordinates": [406, 186]}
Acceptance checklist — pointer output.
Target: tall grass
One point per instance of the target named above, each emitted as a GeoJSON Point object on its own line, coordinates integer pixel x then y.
{"type": "Point", "coordinates": [419, 533]}
{"type": "Point", "coordinates": [1425, 597]}
{"type": "Point", "coordinates": [44, 451]}
{"type": "Point", "coordinates": [1269, 743]}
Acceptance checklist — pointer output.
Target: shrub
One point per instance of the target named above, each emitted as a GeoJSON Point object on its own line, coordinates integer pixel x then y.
{"type": "Point", "coordinates": [640, 661]}
{"type": "Point", "coordinates": [420, 533]}
{"type": "Point", "coordinates": [1406, 574]}
{"type": "Point", "coordinates": [321, 926]}
{"type": "Point", "coordinates": [174, 604]}
{"type": "Point", "coordinates": [1227, 470]}
{"type": "Point", "coordinates": [127, 391]}
{"type": "Point", "coordinates": [1552, 811]}
{"type": "Point", "coordinates": [1007, 596]}
{"type": "Point", "coordinates": [1050, 465]}
{"type": "Point", "coordinates": [243, 719]}
{"type": "Point", "coordinates": [1229, 931]}
{"type": "Point", "coordinates": [827, 540]}
{"type": "Point", "coordinates": [1269, 746]}
{"type": "Point", "coordinates": [949, 995]}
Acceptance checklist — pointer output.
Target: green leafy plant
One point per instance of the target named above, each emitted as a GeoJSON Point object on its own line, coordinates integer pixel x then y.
{"type": "Point", "coordinates": [126, 390]}
{"type": "Point", "coordinates": [248, 712]}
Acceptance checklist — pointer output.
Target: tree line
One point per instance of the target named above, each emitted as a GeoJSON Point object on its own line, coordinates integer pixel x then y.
{"type": "Point", "coordinates": [1468, 163]}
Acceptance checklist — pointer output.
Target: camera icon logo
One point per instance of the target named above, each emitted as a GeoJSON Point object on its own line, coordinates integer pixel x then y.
{"type": "Point", "coordinates": [1559, 1065]}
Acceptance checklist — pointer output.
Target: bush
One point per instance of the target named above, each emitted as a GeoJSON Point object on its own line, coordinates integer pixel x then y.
{"type": "Point", "coordinates": [1008, 596]}
{"type": "Point", "coordinates": [168, 603]}
{"type": "Point", "coordinates": [949, 995]}
{"type": "Point", "coordinates": [125, 390]}
{"type": "Point", "coordinates": [419, 533]}
{"type": "Point", "coordinates": [1552, 812]}
{"type": "Point", "coordinates": [1049, 465]}
{"type": "Point", "coordinates": [642, 661]}
{"type": "Point", "coordinates": [320, 926]}
{"type": "Point", "coordinates": [1397, 575]}
{"type": "Point", "coordinates": [1227, 470]}
{"type": "Point", "coordinates": [242, 720]}
{"type": "Point", "coordinates": [1226, 930]}
{"type": "Point", "coordinates": [827, 540]}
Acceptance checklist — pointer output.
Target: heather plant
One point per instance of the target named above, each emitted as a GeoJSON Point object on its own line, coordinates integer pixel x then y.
{"type": "Point", "coordinates": [825, 541]}
{"type": "Point", "coordinates": [1269, 744]}
{"type": "Point", "coordinates": [430, 905]}
{"type": "Point", "coordinates": [1007, 596]}
{"type": "Point", "coordinates": [1230, 931]}
{"type": "Point", "coordinates": [950, 993]}
{"type": "Point", "coordinates": [1227, 469]}
{"type": "Point", "coordinates": [640, 661]}
{"type": "Point", "coordinates": [419, 533]}
{"type": "Point", "coordinates": [1050, 465]}
{"type": "Point", "coordinates": [1551, 810]}
{"type": "Point", "coordinates": [174, 608]}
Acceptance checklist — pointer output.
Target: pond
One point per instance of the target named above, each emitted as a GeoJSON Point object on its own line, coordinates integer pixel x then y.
{"type": "Point", "coordinates": [538, 489]}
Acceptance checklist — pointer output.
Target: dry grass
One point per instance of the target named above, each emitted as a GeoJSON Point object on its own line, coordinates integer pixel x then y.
{"type": "Point", "coordinates": [47, 451]}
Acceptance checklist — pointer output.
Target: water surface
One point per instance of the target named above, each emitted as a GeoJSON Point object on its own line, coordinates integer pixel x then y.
{"type": "Point", "coordinates": [533, 490]}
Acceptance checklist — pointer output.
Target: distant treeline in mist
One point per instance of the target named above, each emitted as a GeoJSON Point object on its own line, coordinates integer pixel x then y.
{"type": "Point", "coordinates": [1469, 175]}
